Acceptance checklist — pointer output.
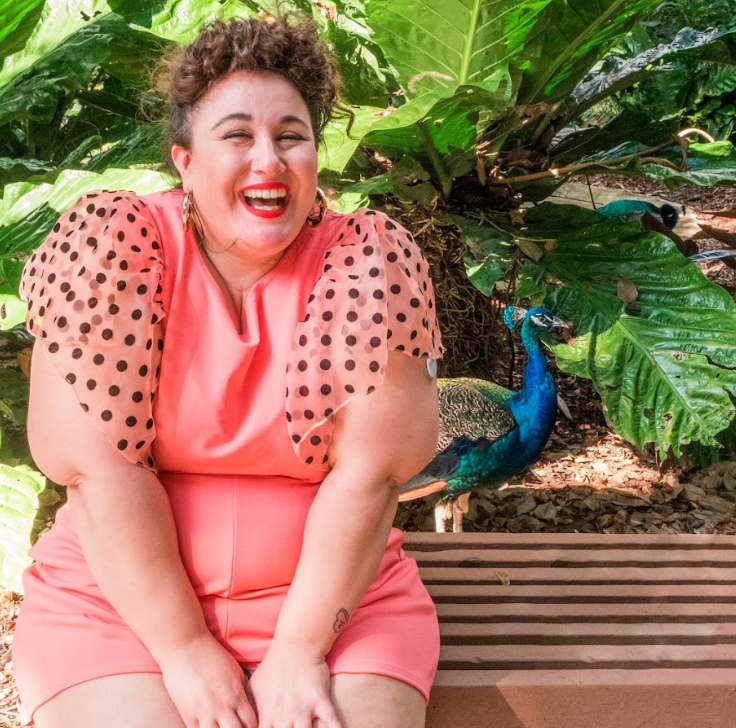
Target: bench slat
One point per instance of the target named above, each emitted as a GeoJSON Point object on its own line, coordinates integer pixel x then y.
{"type": "Point", "coordinates": [591, 632]}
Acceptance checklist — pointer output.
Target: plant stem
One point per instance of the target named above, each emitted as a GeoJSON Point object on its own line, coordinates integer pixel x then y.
{"type": "Point", "coordinates": [434, 156]}
{"type": "Point", "coordinates": [559, 171]}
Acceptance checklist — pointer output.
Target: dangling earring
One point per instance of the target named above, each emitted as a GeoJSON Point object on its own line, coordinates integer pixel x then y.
{"type": "Point", "coordinates": [186, 210]}
{"type": "Point", "coordinates": [321, 202]}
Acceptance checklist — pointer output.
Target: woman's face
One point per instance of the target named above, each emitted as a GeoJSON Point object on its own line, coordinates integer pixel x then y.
{"type": "Point", "coordinates": [252, 166]}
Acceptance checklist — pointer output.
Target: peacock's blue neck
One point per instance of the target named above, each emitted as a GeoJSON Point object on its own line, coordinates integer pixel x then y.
{"type": "Point", "coordinates": [535, 405]}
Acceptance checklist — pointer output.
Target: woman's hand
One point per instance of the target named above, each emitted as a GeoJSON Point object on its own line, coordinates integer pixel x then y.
{"type": "Point", "coordinates": [207, 686]}
{"type": "Point", "coordinates": [291, 688]}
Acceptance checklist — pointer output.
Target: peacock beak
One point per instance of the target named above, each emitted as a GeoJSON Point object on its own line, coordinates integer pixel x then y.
{"type": "Point", "coordinates": [558, 323]}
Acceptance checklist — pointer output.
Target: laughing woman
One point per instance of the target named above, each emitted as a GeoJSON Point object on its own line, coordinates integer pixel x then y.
{"type": "Point", "coordinates": [231, 381]}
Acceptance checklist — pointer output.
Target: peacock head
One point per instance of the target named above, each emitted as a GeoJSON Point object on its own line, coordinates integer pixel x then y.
{"type": "Point", "coordinates": [669, 215]}
{"type": "Point", "coordinates": [539, 318]}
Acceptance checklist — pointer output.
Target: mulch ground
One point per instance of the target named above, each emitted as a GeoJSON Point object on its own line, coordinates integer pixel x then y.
{"type": "Point", "coordinates": [588, 480]}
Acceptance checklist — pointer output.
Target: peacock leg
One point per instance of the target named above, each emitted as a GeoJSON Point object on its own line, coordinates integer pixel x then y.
{"type": "Point", "coordinates": [442, 514]}
{"type": "Point", "coordinates": [460, 506]}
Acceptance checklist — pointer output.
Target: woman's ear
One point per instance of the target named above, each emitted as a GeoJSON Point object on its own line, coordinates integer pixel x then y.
{"type": "Point", "coordinates": [182, 159]}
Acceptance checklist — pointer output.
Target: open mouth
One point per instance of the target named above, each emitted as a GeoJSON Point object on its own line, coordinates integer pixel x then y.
{"type": "Point", "coordinates": [266, 200]}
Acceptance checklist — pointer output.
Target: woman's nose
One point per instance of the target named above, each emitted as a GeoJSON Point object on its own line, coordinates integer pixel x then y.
{"type": "Point", "coordinates": [266, 158]}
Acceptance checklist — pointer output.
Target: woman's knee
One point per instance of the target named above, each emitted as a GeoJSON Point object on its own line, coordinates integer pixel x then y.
{"type": "Point", "coordinates": [137, 700]}
{"type": "Point", "coordinates": [376, 701]}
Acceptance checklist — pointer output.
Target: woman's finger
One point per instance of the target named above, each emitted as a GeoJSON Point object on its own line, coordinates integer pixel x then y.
{"type": "Point", "coordinates": [325, 712]}
{"type": "Point", "coordinates": [246, 715]}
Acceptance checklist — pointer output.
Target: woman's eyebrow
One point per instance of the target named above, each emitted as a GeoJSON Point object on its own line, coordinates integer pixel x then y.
{"type": "Point", "coordinates": [242, 116]}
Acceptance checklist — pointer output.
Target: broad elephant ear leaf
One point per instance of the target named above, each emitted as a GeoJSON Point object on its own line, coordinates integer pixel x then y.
{"type": "Point", "coordinates": [20, 487]}
{"type": "Point", "coordinates": [664, 364]}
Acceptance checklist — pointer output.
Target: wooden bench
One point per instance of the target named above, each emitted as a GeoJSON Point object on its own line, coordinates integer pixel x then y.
{"type": "Point", "coordinates": [582, 631]}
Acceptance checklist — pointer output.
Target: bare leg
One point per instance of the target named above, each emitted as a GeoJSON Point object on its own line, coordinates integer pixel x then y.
{"type": "Point", "coordinates": [137, 700]}
{"type": "Point", "coordinates": [442, 514]}
{"type": "Point", "coordinates": [376, 701]}
{"type": "Point", "coordinates": [460, 506]}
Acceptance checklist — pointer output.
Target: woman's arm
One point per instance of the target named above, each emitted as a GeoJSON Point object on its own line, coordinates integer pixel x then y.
{"type": "Point", "coordinates": [128, 537]}
{"type": "Point", "coordinates": [379, 442]}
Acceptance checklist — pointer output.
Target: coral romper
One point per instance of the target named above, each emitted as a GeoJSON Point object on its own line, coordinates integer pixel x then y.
{"type": "Point", "coordinates": [236, 426]}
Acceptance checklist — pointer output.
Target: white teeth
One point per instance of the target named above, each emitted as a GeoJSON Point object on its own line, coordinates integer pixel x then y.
{"type": "Point", "coordinates": [265, 194]}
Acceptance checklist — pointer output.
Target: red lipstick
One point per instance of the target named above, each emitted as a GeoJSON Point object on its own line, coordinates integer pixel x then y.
{"type": "Point", "coordinates": [272, 212]}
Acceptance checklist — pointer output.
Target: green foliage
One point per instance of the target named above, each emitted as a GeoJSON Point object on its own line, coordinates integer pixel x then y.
{"type": "Point", "coordinates": [661, 351]}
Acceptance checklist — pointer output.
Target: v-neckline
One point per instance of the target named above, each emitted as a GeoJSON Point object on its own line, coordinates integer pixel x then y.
{"type": "Point", "coordinates": [261, 283]}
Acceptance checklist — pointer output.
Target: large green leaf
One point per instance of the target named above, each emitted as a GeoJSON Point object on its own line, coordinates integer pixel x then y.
{"type": "Point", "coordinates": [448, 43]}
{"type": "Point", "coordinates": [627, 72]}
{"type": "Point", "coordinates": [20, 487]}
{"type": "Point", "coordinates": [657, 338]}
{"type": "Point", "coordinates": [29, 209]}
{"type": "Point", "coordinates": [59, 19]}
{"type": "Point", "coordinates": [18, 18]}
{"type": "Point", "coordinates": [567, 39]}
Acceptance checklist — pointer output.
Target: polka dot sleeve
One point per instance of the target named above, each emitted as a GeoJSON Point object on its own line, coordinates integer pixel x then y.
{"type": "Point", "coordinates": [374, 295]}
{"type": "Point", "coordinates": [93, 289]}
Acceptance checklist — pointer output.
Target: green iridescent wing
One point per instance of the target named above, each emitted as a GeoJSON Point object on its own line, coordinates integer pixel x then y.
{"type": "Point", "coordinates": [474, 408]}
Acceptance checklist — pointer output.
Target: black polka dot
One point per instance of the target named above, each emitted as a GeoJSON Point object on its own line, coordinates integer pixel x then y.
{"type": "Point", "coordinates": [390, 225]}
{"type": "Point", "coordinates": [308, 414]}
{"type": "Point", "coordinates": [325, 364]}
{"type": "Point", "coordinates": [396, 288]}
{"type": "Point", "coordinates": [91, 384]}
{"type": "Point", "coordinates": [368, 250]}
{"type": "Point", "coordinates": [61, 323]}
{"type": "Point", "coordinates": [414, 303]}
{"type": "Point", "coordinates": [107, 334]}
{"type": "Point", "coordinates": [137, 396]}
{"type": "Point", "coordinates": [131, 421]}
{"type": "Point", "coordinates": [326, 340]}
{"type": "Point", "coordinates": [295, 438]}
{"type": "Point", "coordinates": [121, 366]}
{"type": "Point", "coordinates": [92, 302]}
{"type": "Point", "coordinates": [100, 277]}
{"type": "Point", "coordinates": [76, 353]}
{"type": "Point", "coordinates": [349, 388]}
{"type": "Point", "coordinates": [350, 365]}
{"type": "Point", "coordinates": [352, 316]}
{"type": "Point", "coordinates": [377, 318]}
{"type": "Point", "coordinates": [375, 341]}
{"type": "Point", "coordinates": [149, 424]}
{"type": "Point", "coordinates": [315, 440]}
{"type": "Point", "coordinates": [106, 415]}
{"type": "Point", "coordinates": [143, 370]}
{"type": "Point", "coordinates": [327, 316]}
{"type": "Point", "coordinates": [98, 359]}
{"type": "Point", "coordinates": [330, 294]}
{"type": "Point", "coordinates": [401, 317]}
{"type": "Point", "coordinates": [350, 340]}
{"type": "Point", "coordinates": [114, 390]}
{"type": "Point", "coordinates": [71, 378]}
{"type": "Point", "coordinates": [302, 366]}
{"type": "Point", "coordinates": [136, 314]}
{"type": "Point", "coordinates": [374, 272]}
{"type": "Point", "coordinates": [353, 293]}
{"type": "Point", "coordinates": [325, 389]}
{"type": "Point", "coordinates": [392, 257]}
{"type": "Point", "coordinates": [304, 391]}
{"type": "Point", "coordinates": [141, 289]}
{"type": "Point", "coordinates": [302, 340]}
{"type": "Point", "coordinates": [140, 444]}
{"type": "Point", "coordinates": [373, 366]}
{"type": "Point", "coordinates": [123, 444]}
{"type": "Point", "coordinates": [349, 260]}
{"type": "Point", "coordinates": [53, 347]}
{"type": "Point", "coordinates": [91, 242]}
{"type": "Point", "coordinates": [129, 340]}
{"type": "Point", "coordinates": [378, 294]}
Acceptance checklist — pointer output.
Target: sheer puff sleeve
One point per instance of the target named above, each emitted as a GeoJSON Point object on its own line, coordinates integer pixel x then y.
{"type": "Point", "coordinates": [93, 289]}
{"type": "Point", "coordinates": [374, 295]}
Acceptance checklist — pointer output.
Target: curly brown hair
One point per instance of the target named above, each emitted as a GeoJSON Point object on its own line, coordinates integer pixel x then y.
{"type": "Point", "coordinates": [289, 46]}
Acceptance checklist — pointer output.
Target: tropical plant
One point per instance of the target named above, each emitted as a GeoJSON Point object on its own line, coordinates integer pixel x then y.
{"type": "Point", "coordinates": [466, 108]}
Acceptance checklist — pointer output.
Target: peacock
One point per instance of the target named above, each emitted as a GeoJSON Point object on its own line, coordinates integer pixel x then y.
{"type": "Point", "coordinates": [488, 433]}
{"type": "Point", "coordinates": [626, 210]}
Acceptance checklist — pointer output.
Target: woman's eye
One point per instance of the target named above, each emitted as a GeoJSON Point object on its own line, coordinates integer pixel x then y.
{"type": "Point", "coordinates": [292, 137]}
{"type": "Point", "coordinates": [237, 135]}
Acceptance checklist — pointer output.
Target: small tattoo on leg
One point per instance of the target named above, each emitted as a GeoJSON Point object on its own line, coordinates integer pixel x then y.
{"type": "Point", "coordinates": [341, 619]}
